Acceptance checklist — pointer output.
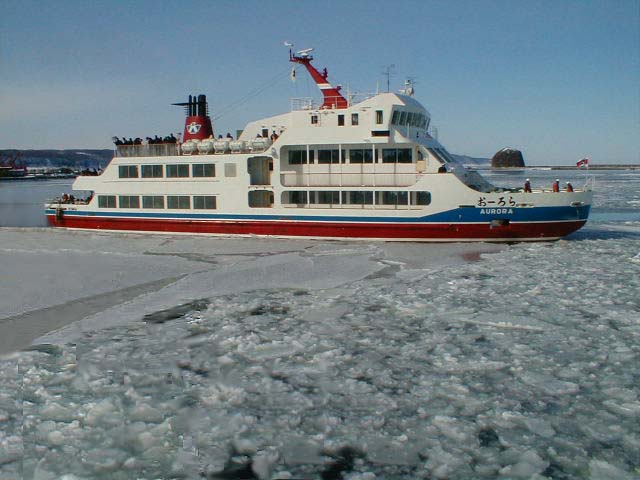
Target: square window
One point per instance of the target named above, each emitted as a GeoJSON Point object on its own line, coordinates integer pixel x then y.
{"type": "Point", "coordinates": [204, 202]}
{"type": "Point", "coordinates": [152, 201]}
{"type": "Point", "coordinates": [354, 119]}
{"type": "Point", "coordinates": [229, 169]}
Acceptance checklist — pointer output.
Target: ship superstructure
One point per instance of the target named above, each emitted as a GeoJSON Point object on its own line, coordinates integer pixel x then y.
{"type": "Point", "coordinates": [342, 169]}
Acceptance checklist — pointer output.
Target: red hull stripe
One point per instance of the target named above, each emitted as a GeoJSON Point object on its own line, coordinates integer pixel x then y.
{"type": "Point", "coordinates": [418, 232]}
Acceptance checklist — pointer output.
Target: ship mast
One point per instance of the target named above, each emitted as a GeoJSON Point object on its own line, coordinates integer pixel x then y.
{"type": "Point", "coordinates": [332, 96]}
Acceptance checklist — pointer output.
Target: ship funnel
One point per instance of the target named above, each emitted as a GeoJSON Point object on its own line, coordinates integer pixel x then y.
{"type": "Point", "coordinates": [198, 123]}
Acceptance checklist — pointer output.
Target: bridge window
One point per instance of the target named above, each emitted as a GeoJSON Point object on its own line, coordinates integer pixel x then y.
{"type": "Point", "coordinates": [403, 118]}
{"type": "Point", "coordinates": [341, 120]}
{"type": "Point", "coordinates": [107, 201]}
{"type": "Point", "coordinates": [204, 202]}
{"type": "Point", "coordinates": [152, 201]}
{"type": "Point", "coordinates": [379, 117]}
{"type": "Point", "coordinates": [128, 171]}
{"type": "Point", "coordinates": [178, 201]}
{"type": "Point", "coordinates": [314, 119]}
{"type": "Point", "coordinates": [203, 170]}
{"type": "Point", "coordinates": [151, 171]}
{"type": "Point", "coordinates": [129, 201]}
{"type": "Point", "coordinates": [354, 119]}
{"type": "Point", "coordinates": [177, 171]}
{"type": "Point", "coordinates": [395, 118]}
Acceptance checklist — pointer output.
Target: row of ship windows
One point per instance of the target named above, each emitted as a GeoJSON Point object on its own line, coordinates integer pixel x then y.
{"type": "Point", "coordinates": [172, 171]}
{"type": "Point", "coordinates": [356, 197]}
{"type": "Point", "coordinates": [359, 155]}
{"type": "Point", "coordinates": [355, 119]}
{"type": "Point", "coordinates": [197, 202]}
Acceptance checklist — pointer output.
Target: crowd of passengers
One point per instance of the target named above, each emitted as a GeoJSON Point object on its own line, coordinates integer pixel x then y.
{"type": "Point", "coordinates": [156, 140]}
{"type": "Point", "coordinates": [66, 198]}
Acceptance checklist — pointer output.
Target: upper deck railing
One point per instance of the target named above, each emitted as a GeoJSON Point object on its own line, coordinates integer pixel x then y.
{"type": "Point", "coordinates": [311, 103]}
{"type": "Point", "coordinates": [195, 147]}
{"type": "Point", "coordinates": [151, 150]}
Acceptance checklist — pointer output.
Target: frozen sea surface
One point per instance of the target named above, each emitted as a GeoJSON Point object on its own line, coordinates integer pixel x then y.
{"type": "Point", "coordinates": [249, 358]}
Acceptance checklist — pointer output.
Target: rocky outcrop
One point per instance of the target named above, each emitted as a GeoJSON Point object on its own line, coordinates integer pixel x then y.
{"type": "Point", "coordinates": [508, 158]}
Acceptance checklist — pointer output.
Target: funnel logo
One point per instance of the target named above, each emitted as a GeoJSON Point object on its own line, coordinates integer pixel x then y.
{"type": "Point", "coordinates": [193, 128]}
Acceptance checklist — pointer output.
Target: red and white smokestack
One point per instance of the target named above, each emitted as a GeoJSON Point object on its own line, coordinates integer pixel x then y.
{"type": "Point", "coordinates": [332, 96]}
{"type": "Point", "coordinates": [198, 123]}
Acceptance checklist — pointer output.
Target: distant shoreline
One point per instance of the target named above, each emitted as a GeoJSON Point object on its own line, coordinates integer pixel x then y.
{"type": "Point", "coordinates": [564, 167]}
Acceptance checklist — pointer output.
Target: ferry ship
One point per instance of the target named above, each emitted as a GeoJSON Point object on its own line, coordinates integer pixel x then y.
{"type": "Point", "coordinates": [345, 168]}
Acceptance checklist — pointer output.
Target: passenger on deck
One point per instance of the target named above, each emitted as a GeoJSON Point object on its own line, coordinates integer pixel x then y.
{"type": "Point", "coordinates": [258, 135]}
{"type": "Point", "coordinates": [220, 137]}
{"type": "Point", "coordinates": [117, 141]}
{"type": "Point", "coordinates": [137, 141]}
{"type": "Point", "coordinates": [527, 186]}
{"type": "Point", "coordinates": [229, 135]}
{"type": "Point", "coordinates": [442, 169]}
{"type": "Point", "coordinates": [556, 185]}
{"type": "Point", "coordinates": [172, 139]}
{"type": "Point", "coordinates": [274, 136]}
{"type": "Point", "coordinates": [72, 199]}
{"type": "Point", "coordinates": [65, 198]}
{"type": "Point", "coordinates": [569, 187]}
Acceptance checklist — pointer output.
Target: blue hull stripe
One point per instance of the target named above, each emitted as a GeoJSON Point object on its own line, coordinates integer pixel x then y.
{"type": "Point", "coordinates": [458, 215]}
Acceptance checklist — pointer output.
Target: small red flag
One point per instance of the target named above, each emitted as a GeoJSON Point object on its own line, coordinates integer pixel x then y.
{"type": "Point", "coordinates": [583, 163]}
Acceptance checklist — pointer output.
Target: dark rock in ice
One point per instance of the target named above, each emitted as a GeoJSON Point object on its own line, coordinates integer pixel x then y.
{"type": "Point", "coordinates": [270, 309]}
{"type": "Point", "coordinates": [234, 471]}
{"type": "Point", "coordinates": [556, 472]}
{"type": "Point", "coordinates": [47, 348]}
{"type": "Point", "coordinates": [508, 158]}
{"type": "Point", "coordinates": [281, 378]}
{"type": "Point", "coordinates": [344, 459]}
{"type": "Point", "coordinates": [488, 437]}
{"type": "Point", "coordinates": [172, 313]}
{"type": "Point", "coordinates": [481, 339]}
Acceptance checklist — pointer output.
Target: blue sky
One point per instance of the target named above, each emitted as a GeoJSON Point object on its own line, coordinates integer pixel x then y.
{"type": "Point", "coordinates": [559, 80]}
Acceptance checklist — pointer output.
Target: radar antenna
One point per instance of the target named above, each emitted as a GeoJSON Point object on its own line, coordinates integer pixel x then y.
{"type": "Point", "coordinates": [388, 71]}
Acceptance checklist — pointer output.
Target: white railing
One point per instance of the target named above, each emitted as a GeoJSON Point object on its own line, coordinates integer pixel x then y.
{"type": "Point", "coordinates": [299, 179]}
{"type": "Point", "coordinates": [152, 150]}
{"type": "Point", "coordinates": [311, 103]}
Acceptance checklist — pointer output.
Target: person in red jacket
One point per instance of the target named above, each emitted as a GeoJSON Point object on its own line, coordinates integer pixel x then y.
{"type": "Point", "coordinates": [569, 187]}
{"type": "Point", "coordinates": [556, 185]}
{"type": "Point", "coordinates": [527, 186]}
